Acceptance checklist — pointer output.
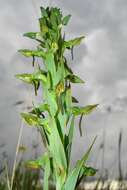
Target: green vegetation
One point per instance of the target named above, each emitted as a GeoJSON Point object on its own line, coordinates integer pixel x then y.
{"type": "Point", "coordinates": [55, 116]}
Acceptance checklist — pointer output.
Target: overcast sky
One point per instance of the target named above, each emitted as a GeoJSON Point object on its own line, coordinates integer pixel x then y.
{"type": "Point", "coordinates": [101, 61]}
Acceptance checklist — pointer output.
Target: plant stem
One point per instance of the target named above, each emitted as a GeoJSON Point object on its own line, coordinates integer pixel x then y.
{"type": "Point", "coordinates": [16, 154]}
{"type": "Point", "coordinates": [8, 181]}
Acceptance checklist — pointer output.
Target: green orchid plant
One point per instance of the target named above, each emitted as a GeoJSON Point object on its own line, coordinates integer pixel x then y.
{"type": "Point", "coordinates": [55, 116]}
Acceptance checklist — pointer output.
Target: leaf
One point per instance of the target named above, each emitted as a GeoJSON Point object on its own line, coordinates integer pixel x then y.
{"type": "Point", "coordinates": [57, 13]}
{"type": "Point", "coordinates": [50, 64]}
{"type": "Point", "coordinates": [72, 178]}
{"type": "Point", "coordinates": [43, 136]}
{"type": "Point", "coordinates": [43, 25]}
{"type": "Point", "coordinates": [38, 163]}
{"type": "Point", "coordinates": [34, 77]}
{"type": "Point", "coordinates": [51, 98]}
{"type": "Point", "coordinates": [36, 36]}
{"type": "Point", "coordinates": [45, 123]}
{"type": "Point", "coordinates": [74, 42]}
{"type": "Point", "coordinates": [62, 117]}
{"type": "Point", "coordinates": [33, 35]}
{"type": "Point", "coordinates": [31, 53]}
{"type": "Point", "coordinates": [53, 19]}
{"type": "Point", "coordinates": [83, 110]}
{"type": "Point", "coordinates": [70, 138]}
{"type": "Point", "coordinates": [60, 128]}
{"type": "Point", "coordinates": [59, 74]}
{"type": "Point", "coordinates": [32, 165]}
{"type": "Point", "coordinates": [74, 79]}
{"type": "Point", "coordinates": [43, 12]}
{"type": "Point", "coordinates": [68, 100]}
{"type": "Point", "coordinates": [25, 77]}
{"type": "Point", "coordinates": [42, 108]}
{"type": "Point", "coordinates": [87, 171]}
{"type": "Point", "coordinates": [56, 147]}
{"type": "Point", "coordinates": [40, 75]}
{"type": "Point", "coordinates": [61, 102]}
{"type": "Point", "coordinates": [66, 19]}
{"type": "Point", "coordinates": [31, 119]}
{"type": "Point", "coordinates": [35, 121]}
{"type": "Point", "coordinates": [71, 130]}
{"type": "Point", "coordinates": [46, 173]}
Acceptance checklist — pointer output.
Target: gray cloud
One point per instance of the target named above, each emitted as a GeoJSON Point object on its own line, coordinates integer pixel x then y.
{"type": "Point", "coordinates": [100, 61]}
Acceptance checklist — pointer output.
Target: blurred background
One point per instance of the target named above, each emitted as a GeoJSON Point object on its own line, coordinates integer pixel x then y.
{"type": "Point", "coordinates": [101, 61]}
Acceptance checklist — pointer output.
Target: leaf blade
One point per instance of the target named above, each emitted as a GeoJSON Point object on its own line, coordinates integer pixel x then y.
{"type": "Point", "coordinates": [83, 110]}
{"type": "Point", "coordinates": [66, 19]}
{"type": "Point", "coordinates": [72, 179]}
{"type": "Point", "coordinates": [31, 53]}
{"type": "Point", "coordinates": [75, 79]}
{"type": "Point", "coordinates": [74, 42]}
